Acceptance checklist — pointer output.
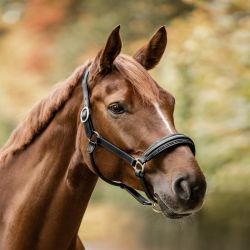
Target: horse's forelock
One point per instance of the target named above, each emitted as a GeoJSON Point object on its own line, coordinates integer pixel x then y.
{"type": "Point", "coordinates": [138, 77]}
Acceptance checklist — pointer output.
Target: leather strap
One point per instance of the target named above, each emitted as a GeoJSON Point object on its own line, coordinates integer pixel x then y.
{"type": "Point", "coordinates": [165, 143]}
{"type": "Point", "coordinates": [129, 189]}
{"type": "Point", "coordinates": [119, 152]}
{"type": "Point", "coordinates": [85, 113]}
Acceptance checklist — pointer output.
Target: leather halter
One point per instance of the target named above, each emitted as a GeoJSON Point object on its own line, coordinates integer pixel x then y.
{"type": "Point", "coordinates": [95, 139]}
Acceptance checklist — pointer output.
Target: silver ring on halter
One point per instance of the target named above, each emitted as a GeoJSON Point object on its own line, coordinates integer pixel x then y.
{"type": "Point", "coordinates": [156, 208]}
{"type": "Point", "coordinates": [84, 116]}
{"type": "Point", "coordinates": [94, 137]}
{"type": "Point", "coordinates": [139, 167]}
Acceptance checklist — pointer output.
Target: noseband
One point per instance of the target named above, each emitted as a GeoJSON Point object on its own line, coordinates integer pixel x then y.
{"type": "Point", "coordinates": [95, 139]}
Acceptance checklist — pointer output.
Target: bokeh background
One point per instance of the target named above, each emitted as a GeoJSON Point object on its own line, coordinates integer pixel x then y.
{"type": "Point", "coordinates": [206, 67]}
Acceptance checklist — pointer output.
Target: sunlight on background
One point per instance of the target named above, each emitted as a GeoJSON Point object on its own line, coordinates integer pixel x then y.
{"type": "Point", "coordinates": [206, 67]}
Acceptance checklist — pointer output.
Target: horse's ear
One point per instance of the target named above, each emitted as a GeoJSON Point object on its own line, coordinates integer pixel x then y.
{"type": "Point", "coordinates": [150, 54]}
{"type": "Point", "coordinates": [111, 50]}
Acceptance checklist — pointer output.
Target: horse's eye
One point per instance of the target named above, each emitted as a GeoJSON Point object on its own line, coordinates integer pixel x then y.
{"type": "Point", "coordinates": [116, 108]}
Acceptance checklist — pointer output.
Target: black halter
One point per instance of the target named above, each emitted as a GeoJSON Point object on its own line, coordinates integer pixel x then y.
{"type": "Point", "coordinates": [138, 165]}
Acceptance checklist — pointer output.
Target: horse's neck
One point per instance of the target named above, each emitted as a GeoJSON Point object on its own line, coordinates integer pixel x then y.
{"type": "Point", "coordinates": [46, 188]}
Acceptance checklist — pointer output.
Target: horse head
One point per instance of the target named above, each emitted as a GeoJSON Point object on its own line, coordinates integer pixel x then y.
{"type": "Point", "coordinates": [130, 110]}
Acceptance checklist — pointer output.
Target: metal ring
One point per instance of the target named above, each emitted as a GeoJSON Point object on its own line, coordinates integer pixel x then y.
{"type": "Point", "coordinates": [156, 208]}
{"type": "Point", "coordinates": [83, 120]}
{"type": "Point", "coordinates": [139, 167]}
{"type": "Point", "coordinates": [94, 136]}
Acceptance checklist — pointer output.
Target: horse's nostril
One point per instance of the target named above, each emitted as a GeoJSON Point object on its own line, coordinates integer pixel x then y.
{"type": "Point", "coordinates": [182, 189]}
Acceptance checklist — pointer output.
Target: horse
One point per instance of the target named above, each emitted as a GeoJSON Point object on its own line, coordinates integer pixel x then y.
{"type": "Point", "coordinates": [109, 115]}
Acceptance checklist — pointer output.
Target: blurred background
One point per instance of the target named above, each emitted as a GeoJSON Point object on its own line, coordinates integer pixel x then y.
{"type": "Point", "coordinates": [206, 67]}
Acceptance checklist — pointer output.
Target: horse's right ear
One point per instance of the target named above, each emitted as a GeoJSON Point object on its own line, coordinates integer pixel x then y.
{"type": "Point", "coordinates": [112, 49]}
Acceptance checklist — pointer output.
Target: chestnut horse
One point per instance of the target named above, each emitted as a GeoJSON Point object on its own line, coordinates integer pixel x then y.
{"type": "Point", "coordinates": [46, 173]}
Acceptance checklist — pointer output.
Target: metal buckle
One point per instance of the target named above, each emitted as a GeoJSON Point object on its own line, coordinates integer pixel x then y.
{"type": "Point", "coordinates": [139, 166]}
{"type": "Point", "coordinates": [82, 118]}
{"type": "Point", "coordinates": [156, 208]}
{"type": "Point", "coordinates": [94, 137]}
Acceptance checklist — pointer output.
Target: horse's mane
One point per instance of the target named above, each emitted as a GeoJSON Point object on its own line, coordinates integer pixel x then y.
{"type": "Point", "coordinates": [41, 115]}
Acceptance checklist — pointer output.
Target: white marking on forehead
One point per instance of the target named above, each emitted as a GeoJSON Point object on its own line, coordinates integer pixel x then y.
{"type": "Point", "coordinates": [163, 118]}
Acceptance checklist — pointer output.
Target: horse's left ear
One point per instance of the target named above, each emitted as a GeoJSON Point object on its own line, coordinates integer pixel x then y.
{"type": "Point", "coordinates": [111, 50]}
{"type": "Point", "coordinates": [150, 54]}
